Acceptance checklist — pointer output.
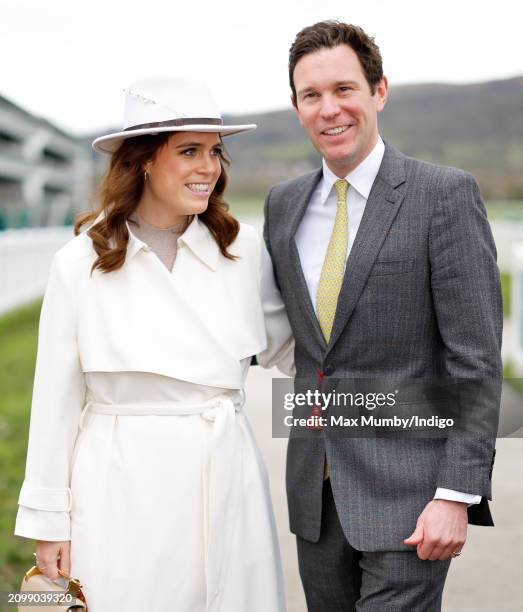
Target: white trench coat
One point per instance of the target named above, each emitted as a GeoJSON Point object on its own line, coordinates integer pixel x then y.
{"type": "Point", "coordinates": [139, 450]}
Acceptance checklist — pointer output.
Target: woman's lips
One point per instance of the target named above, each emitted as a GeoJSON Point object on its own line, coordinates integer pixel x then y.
{"type": "Point", "coordinates": [199, 189]}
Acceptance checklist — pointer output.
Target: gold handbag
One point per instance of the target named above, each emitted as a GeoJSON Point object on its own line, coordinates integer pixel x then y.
{"type": "Point", "coordinates": [69, 593]}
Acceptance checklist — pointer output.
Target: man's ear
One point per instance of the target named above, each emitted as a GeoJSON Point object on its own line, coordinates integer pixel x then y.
{"type": "Point", "coordinates": [295, 107]}
{"type": "Point", "coordinates": [381, 93]}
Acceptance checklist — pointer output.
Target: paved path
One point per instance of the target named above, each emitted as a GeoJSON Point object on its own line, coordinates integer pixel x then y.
{"type": "Point", "coordinates": [487, 577]}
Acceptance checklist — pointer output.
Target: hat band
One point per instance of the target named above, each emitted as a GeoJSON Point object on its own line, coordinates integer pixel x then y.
{"type": "Point", "coordinates": [176, 123]}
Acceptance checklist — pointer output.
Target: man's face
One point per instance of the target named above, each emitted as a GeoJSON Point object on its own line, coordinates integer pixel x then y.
{"type": "Point", "coordinates": [335, 106]}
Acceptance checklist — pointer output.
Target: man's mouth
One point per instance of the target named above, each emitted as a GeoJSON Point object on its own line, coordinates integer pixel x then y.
{"type": "Point", "coordinates": [199, 188]}
{"type": "Point", "coordinates": [335, 131]}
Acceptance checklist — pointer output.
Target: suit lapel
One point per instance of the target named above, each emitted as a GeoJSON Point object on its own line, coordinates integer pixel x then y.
{"type": "Point", "coordinates": [296, 209]}
{"type": "Point", "coordinates": [382, 206]}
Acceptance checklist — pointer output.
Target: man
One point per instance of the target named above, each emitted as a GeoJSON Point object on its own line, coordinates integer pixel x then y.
{"type": "Point", "coordinates": [387, 268]}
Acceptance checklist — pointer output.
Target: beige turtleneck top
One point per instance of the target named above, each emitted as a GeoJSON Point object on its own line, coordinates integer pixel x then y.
{"type": "Point", "coordinates": [163, 241]}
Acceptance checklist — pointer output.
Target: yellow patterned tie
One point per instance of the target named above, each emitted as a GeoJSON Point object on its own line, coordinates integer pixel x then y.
{"type": "Point", "coordinates": [331, 276]}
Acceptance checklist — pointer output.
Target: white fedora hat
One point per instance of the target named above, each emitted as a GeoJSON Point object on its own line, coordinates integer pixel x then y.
{"type": "Point", "coordinates": [163, 104]}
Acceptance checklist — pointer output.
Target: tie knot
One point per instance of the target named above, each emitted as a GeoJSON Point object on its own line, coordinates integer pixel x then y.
{"type": "Point", "coordinates": [342, 186]}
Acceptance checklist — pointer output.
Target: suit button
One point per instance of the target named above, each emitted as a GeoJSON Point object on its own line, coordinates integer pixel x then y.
{"type": "Point", "coordinates": [329, 370]}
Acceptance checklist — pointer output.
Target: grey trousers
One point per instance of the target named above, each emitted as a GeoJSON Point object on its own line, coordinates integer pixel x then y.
{"type": "Point", "coordinates": [338, 578]}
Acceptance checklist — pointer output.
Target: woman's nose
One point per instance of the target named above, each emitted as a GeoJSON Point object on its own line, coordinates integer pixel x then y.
{"type": "Point", "coordinates": [208, 165]}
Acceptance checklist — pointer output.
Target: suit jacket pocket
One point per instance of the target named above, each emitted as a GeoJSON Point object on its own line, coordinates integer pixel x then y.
{"type": "Point", "coordinates": [383, 267]}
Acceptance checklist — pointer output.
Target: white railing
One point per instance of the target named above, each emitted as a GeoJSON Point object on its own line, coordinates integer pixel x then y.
{"type": "Point", "coordinates": [506, 235]}
{"type": "Point", "coordinates": [25, 257]}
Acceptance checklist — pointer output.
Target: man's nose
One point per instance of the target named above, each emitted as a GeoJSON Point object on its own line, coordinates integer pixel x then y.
{"type": "Point", "coordinates": [329, 108]}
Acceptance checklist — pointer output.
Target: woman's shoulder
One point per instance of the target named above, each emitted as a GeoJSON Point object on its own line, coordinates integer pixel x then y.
{"type": "Point", "coordinates": [74, 252]}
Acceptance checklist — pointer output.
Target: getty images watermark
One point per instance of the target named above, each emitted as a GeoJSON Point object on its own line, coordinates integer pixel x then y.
{"type": "Point", "coordinates": [320, 401]}
{"type": "Point", "coordinates": [384, 407]}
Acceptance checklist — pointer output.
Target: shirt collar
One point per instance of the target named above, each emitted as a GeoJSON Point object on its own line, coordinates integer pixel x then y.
{"type": "Point", "coordinates": [361, 178]}
{"type": "Point", "coordinates": [196, 237]}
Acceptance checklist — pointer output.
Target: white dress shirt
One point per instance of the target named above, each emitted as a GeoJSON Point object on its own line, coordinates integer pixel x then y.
{"type": "Point", "coordinates": [314, 232]}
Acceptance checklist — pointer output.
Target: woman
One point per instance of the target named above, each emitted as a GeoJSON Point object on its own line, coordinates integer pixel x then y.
{"type": "Point", "coordinates": [141, 465]}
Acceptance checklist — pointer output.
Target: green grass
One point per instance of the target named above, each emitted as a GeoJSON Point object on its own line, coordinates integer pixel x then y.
{"type": "Point", "coordinates": [18, 336]}
{"type": "Point", "coordinates": [510, 376]}
{"type": "Point", "coordinates": [252, 204]}
{"type": "Point", "coordinates": [249, 205]}
{"type": "Point", "coordinates": [509, 210]}
{"type": "Point", "coordinates": [506, 283]}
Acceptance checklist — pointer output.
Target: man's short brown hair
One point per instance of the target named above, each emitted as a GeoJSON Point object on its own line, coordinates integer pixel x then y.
{"type": "Point", "coordinates": [330, 34]}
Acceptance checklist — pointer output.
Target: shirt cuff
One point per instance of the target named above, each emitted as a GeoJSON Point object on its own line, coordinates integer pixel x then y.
{"type": "Point", "coordinates": [451, 495]}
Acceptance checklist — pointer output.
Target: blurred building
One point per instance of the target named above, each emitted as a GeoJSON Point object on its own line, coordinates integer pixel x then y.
{"type": "Point", "coordinates": [45, 173]}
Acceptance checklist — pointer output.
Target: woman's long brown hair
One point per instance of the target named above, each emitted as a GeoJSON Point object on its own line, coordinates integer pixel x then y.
{"type": "Point", "coordinates": [120, 192]}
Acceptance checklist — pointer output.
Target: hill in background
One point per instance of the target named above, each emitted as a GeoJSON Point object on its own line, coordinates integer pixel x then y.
{"type": "Point", "coordinates": [477, 127]}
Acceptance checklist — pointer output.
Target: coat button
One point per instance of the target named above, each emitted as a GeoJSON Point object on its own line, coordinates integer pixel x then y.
{"type": "Point", "coordinates": [329, 370]}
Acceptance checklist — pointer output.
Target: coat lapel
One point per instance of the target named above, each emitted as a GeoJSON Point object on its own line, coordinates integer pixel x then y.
{"type": "Point", "coordinates": [297, 206]}
{"type": "Point", "coordinates": [382, 206]}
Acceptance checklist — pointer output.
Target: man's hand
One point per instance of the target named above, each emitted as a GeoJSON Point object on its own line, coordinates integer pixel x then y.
{"type": "Point", "coordinates": [441, 529]}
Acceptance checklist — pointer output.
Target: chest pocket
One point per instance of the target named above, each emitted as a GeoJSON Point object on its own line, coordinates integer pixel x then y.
{"type": "Point", "coordinates": [385, 267]}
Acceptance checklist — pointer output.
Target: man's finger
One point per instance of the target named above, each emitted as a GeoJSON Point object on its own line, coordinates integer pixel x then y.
{"type": "Point", "coordinates": [438, 553]}
{"type": "Point", "coordinates": [425, 549]}
{"type": "Point", "coordinates": [416, 538]}
{"type": "Point", "coordinates": [452, 547]}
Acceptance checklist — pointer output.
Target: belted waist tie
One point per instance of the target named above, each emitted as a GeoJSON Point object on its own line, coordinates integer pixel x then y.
{"type": "Point", "coordinates": [222, 476]}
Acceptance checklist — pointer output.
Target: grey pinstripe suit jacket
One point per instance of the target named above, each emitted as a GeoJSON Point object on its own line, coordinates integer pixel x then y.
{"type": "Point", "coordinates": [420, 297]}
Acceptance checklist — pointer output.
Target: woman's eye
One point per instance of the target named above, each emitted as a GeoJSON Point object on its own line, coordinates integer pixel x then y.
{"type": "Point", "coordinates": [188, 152]}
{"type": "Point", "coordinates": [217, 152]}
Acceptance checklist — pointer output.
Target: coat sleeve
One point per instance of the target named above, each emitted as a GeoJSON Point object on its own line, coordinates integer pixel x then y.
{"type": "Point", "coordinates": [58, 397]}
{"type": "Point", "coordinates": [280, 342]}
{"type": "Point", "coordinates": [467, 300]}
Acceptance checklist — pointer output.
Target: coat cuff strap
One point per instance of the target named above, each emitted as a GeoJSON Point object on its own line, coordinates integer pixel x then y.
{"type": "Point", "coordinates": [44, 498]}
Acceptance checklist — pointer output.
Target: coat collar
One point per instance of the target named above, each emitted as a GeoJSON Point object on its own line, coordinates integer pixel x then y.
{"type": "Point", "coordinates": [201, 242]}
{"type": "Point", "coordinates": [196, 237]}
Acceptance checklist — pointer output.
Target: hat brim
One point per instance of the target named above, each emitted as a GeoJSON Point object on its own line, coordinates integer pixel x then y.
{"type": "Point", "coordinates": [111, 142]}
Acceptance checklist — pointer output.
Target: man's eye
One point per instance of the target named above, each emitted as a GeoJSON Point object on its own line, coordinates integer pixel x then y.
{"type": "Point", "coordinates": [309, 95]}
{"type": "Point", "coordinates": [345, 88]}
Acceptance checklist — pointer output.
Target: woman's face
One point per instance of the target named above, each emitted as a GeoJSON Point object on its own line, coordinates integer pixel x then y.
{"type": "Point", "coordinates": [183, 174]}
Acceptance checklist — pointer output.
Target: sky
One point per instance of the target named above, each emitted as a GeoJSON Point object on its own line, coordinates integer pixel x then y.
{"type": "Point", "coordinates": [69, 60]}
